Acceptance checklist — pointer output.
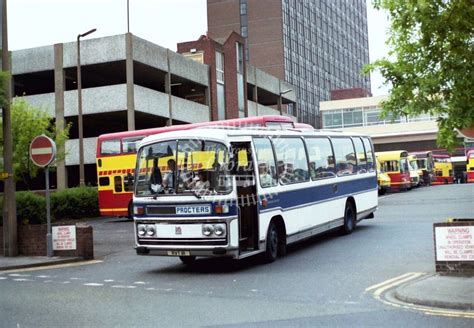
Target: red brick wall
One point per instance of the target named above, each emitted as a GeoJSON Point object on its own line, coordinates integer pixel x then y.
{"type": "Point", "coordinates": [265, 30]}
{"type": "Point", "coordinates": [266, 36]}
{"type": "Point", "coordinates": [223, 17]}
{"type": "Point", "coordinates": [209, 47]}
{"type": "Point", "coordinates": [32, 241]}
{"type": "Point", "coordinates": [349, 93]}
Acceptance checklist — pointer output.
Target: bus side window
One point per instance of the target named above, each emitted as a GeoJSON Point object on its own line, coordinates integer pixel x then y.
{"type": "Point", "coordinates": [360, 154]}
{"type": "Point", "coordinates": [292, 163]}
{"type": "Point", "coordinates": [266, 162]}
{"type": "Point", "coordinates": [370, 154]}
{"type": "Point", "coordinates": [104, 181]}
{"type": "Point", "coordinates": [345, 156]}
{"type": "Point", "coordinates": [118, 183]}
{"type": "Point", "coordinates": [321, 163]}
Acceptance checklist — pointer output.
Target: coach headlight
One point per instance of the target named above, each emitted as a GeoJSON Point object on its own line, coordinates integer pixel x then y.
{"type": "Point", "coordinates": [141, 229]}
{"type": "Point", "coordinates": [219, 229]}
{"type": "Point", "coordinates": [150, 230]}
{"type": "Point", "coordinates": [207, 230]}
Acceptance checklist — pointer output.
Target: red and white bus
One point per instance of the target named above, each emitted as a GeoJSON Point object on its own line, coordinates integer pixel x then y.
{"type": "Point", "coordinates": [116, 158]}
{"type": "Point", "coordinates": [395, 164]}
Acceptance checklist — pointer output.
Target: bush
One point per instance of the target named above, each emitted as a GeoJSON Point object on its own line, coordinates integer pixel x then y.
{"type": "Point", "coordinates": [30, 208]}
{"type": "Point", "coordinates": [75, 203]}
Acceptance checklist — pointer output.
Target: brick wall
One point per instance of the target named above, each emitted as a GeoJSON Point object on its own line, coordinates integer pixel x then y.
{"type": "Point", "coordinates": [32, 241]}
{"type": "Point", "coordinates": [228, 48]}
{"type": "Point", "coordinates": [340, 94]}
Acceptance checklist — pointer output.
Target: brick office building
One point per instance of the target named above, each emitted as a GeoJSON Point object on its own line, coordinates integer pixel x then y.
{"type": "Point", "coordinates": [316, 45]}
{"type": "Point", "coordinates": [236, 88]}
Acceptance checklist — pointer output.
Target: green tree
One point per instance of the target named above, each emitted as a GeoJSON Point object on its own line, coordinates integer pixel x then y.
{"type": "Point", "coordinates": [430, 62]}
{"type": "Point", "coordinates": [27, 123]}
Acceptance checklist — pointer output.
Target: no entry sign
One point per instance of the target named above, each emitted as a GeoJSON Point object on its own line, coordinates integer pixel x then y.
{"type": "Point", "coordinates": [42, 151]}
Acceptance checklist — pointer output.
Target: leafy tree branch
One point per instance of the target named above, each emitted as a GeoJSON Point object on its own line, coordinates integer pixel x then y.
{"type": "Point", "coordinates": [430, 65]}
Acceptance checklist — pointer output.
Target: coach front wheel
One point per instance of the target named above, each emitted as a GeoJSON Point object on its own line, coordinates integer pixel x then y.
{"type": "Point", "coordinates": [271, 251]}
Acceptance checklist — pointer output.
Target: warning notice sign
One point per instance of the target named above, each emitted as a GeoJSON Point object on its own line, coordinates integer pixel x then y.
{"type": "Point", "coordinates": [64, 238]}
{"type": "Point", "coordinates": [454, 243]}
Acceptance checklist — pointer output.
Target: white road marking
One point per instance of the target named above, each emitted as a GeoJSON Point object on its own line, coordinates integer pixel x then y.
{"type": "Point", "coordinates": [3, 278]}
{"type": "Point", "coordinates": [140, 283]}
{"type": "Point", "coordinates": [93, 284]}
{"type": "Point", "coordinates": [22, 279]}
{"type": "Point", "coordinates": [118, 286]}
{"type": "Point", "coordinates": [109, 280]}
{"type": "Point", "coordinates": [19, 275]}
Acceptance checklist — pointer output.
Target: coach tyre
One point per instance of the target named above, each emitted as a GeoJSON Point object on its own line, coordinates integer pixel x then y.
{"type": "Point", "coordinates": [187, 259]}
{"type": "Point", "coordinates": [271, 251]}
{"type": "Point", "coordinates": [349, 219]}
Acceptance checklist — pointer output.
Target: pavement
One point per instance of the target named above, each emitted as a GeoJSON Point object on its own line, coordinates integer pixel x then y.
{"type": "Point", "coordinates": [25, 262]}
{"type": "Point", "coordinates": [434, 290]}
{"type": "Point", "coordinates": [440, 291]}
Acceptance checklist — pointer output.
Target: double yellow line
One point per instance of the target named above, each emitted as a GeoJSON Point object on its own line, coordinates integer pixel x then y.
{"type": "Point", "coordinates": [378, 291]}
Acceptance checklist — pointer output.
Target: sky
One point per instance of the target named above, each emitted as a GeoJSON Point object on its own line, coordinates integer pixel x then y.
{"type": "Point", "coordinates": [34, 23]}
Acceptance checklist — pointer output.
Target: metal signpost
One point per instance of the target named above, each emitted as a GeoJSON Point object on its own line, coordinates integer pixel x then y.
{"type": "Point", "coordinates": [42, 153]}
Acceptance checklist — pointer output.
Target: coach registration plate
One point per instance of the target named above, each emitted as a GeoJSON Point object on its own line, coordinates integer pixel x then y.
{"type": "Point", "coordinates": [193, 209]}
{"type": "Point", "coordinates": [178, 253]}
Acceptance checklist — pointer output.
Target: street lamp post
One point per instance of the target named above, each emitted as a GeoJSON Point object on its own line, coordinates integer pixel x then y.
{"type": "Point", "coordinates": [79, 108]}
{"type": "Point", "coordinates": [280, 109]}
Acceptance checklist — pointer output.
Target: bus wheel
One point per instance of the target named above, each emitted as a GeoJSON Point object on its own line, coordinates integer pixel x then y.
{"type": "Point", "coordinates": [349, 219]}
{"type": "Point", "coordinates": [187, 259]}
{"type": "Point", "coordinates": [271, 251]}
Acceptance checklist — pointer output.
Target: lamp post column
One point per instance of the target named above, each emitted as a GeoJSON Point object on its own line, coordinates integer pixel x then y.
{"type": "Point", "coordinates": [79, 109]}
{"type": "Point", "coordinates": [79, 114]}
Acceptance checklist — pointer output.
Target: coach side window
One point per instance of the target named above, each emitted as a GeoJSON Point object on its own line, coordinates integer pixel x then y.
{"type": "Point", "coordinates": [345, 156]}
{"type": "Point", "coordinates": [361, 157]}
{"type": "Point", "coordinates": [266, 162]}
{"type": "Point", "coordinates": [370, 155]}
{"type": "Point", "coordinates": [321, 158]}
{"type": "Point", "coordinates": [292, 164]}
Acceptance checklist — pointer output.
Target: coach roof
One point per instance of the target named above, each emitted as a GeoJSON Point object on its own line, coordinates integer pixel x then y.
{"type": "Point", "coordinates": [221, 133]}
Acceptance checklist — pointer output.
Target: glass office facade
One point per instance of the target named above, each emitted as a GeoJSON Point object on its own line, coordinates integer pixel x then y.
{"type": "Point", "coordinates": [365, 116]}
{"type": "Point", "coordinates": [325, 47]}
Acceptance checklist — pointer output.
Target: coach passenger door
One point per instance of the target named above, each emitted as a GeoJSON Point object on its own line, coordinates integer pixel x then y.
{"type": "Point", "coordinates": [246, 195]}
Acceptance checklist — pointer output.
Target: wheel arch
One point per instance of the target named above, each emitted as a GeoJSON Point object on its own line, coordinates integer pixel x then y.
{"type": "Point", "coordinates": [352, 201]}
